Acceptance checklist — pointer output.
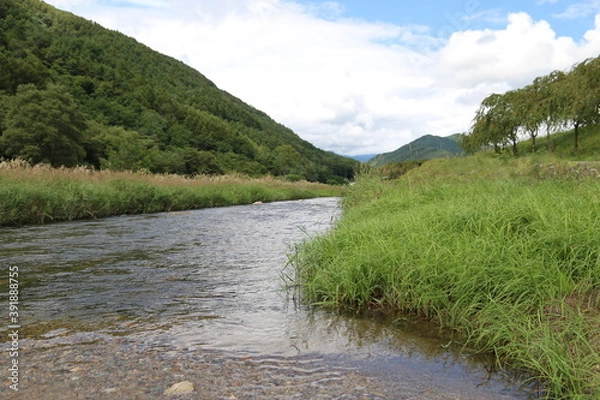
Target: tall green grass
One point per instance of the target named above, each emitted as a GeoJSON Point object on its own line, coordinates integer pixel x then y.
{"type": "Point", "coordinates": [41, 194]}
{"type": "Point", "coordinates": [561, 144]}
{"type": "Point", "coordinates": [509, 263]}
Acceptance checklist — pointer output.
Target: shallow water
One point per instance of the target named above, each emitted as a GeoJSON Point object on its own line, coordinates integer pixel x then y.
{"type": "Point", "coordinates": [213, 280]}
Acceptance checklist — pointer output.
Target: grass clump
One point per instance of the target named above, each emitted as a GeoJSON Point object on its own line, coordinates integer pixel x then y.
{"type": "Point", "coordinates": [41, 194]}
{"type": "Point", "coordinates": [507, 261]}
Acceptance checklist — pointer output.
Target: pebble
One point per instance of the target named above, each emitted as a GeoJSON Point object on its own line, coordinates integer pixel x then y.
{"type": "Point", "coordinates": [112, 369]}
{"type": "Point", "coordinates": [184, 387]}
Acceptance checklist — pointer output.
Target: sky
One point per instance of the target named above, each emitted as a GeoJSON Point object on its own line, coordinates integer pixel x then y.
{"type": "Point", "coordinates": [361, 76]}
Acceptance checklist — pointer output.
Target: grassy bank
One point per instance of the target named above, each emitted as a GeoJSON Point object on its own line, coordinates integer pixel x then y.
{"type": "Point", "coordinates": [41, 194]}
{"type": "Point", "coordinates": [504, 253]}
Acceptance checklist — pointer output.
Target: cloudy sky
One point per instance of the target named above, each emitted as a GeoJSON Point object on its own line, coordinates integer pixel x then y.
{"type": "Point", "coordinates": [361, 76]}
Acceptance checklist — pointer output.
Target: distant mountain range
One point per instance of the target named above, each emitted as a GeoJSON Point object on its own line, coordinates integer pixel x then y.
{"type": "Point", "coordinates": [424, 148]}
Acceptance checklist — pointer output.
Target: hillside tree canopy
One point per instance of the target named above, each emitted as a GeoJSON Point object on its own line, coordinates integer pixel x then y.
{"type": "Point", "coordinates": [75, 93]}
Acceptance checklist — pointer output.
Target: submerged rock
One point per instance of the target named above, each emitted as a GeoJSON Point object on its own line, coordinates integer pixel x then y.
{"type": "Point", "coordinates": [184, 387]}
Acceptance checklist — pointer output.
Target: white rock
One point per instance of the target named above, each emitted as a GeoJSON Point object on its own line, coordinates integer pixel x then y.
{"type": "Point", "coordinates": [180, 388]}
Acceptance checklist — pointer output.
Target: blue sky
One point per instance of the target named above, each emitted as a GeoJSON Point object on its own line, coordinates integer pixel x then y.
{"type": "Point", "coordinates": [356, 76]}
{"type": "Point", "coordinates": [445, 17]}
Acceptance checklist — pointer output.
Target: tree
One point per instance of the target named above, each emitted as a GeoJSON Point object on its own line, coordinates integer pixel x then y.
{"type": "Point", "coordinates": [525, 104]}
{"type": "Point", "coordinates": [550, 101]}
{"type": "Point", "coordinates": [477, 137]}
{"type": "Point", "coordinates": [200, 162]}
{"type": "Point", "coordinates": [16, 71]}
{"type": "Point", "coordinates": [287, 160]}
{"type": "Point", "coordinates": [495, 123]}
{"type": "Point", "coordinates": [127, 150]}
{"type": "Point", "coordinates": [580, 93]}
{"type": "Point", "coordinates": [44, 126]}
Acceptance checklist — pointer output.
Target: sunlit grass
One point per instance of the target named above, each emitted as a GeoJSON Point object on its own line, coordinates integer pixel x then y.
{"type": "Point", "coordinates": [562, 144]}
{"type": "Point", "coordinates": [488, 249]}
{"type": "Point", "coordinates": [41, 194]}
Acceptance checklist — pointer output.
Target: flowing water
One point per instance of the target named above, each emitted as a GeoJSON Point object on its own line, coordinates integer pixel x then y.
{"type": "Point", "coordinates": [206, 287]}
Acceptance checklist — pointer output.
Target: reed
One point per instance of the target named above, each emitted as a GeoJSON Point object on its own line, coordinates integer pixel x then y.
{"type": "Point", "coordinates": [41, 194]}
{"type": "Point", "coordinates": [507, 261]}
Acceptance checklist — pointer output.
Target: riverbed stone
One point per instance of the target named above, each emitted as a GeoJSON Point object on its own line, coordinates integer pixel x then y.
{"type": "Point", "coordinates": [184, 387]}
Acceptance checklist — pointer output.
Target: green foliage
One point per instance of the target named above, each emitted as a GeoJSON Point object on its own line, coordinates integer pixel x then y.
{"type": "Point", "coordinates": [200, 162]}
{"type": "Point", "coordinates": [287, 160]}
{"type": "Point", "coordinates": [508, 263]}
{"type": "Point", "coordinates": [397, 169]}
{"type": "Point", "coordinates": [126, 150]}
{"type": "Point", "coordinates": [561, 145]}
{"type": "Point", "coordinates": [294, 178]}
{"type": "Point", "coordinates": [171, 118]}
{"type": "Point", "coordinates": [424, 148]}
{"type": "Point", "coordinates": [555, 101]}
{"type": "Point", "coordinates": [43, 126]}
{"type": "Point", "coordinates": [41, 194]}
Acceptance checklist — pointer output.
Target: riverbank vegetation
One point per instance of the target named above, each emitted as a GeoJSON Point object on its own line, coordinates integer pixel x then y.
{"type": "Point", "coordinates": [550, 104]}
{"type": "Point", "coordinates": [504, 253]}
{"type": "Point", "coordinates": [501, 248]}
{"type": "Point", "coordinates": [42, 194]}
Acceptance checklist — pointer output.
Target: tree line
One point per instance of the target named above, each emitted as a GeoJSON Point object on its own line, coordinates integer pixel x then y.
{"type": "Point", "coordinates": [551, 103]}
{"type": "Point", "coordinates": [74, 93]}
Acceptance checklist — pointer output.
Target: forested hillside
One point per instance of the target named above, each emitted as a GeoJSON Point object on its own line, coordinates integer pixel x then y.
{"type": "Point", "coordinates": [424, 148]}
{"type": "Point", "coordinates": [75, 93]}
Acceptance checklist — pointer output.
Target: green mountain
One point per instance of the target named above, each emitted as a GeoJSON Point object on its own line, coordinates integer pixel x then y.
{"type": "Point", "coordinates": [424, 148]}
{"type": "Point", "coordinates": [75, 93]}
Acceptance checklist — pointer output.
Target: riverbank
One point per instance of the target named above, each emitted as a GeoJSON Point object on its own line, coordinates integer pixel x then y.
{"type": "Point", "coordinates": [41, 194]}
{"type": "Point", "coordinates": [505, 254]}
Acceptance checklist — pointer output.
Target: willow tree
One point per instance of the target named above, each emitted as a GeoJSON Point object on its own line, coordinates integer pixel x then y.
{"type": "Point", "coordinates": [580, 93]}
{"type": "Point", "coordinates": [550, 102]}
{"type": "Point", "coordinates": [509, 116]}
{"type": "Point", "coordinates": [495, 123]}
{"type": "Point", "coordinates": [474, 140]}
{"type": "Point", "coordinates": [525, 106]}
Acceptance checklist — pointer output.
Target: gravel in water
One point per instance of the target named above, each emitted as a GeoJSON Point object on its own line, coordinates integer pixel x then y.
{"type": "Point", "coordinates": [65, 368]}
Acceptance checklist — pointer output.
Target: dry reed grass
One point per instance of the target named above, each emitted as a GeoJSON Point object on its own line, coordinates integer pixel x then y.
{"type": "Point", "coordinates": [33, 194]}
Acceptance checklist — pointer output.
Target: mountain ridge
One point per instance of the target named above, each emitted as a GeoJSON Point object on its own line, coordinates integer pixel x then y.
{"type": "Point", "coordinates": [426, 147]}
{"type": "Point", "coordinates": [131, 107]}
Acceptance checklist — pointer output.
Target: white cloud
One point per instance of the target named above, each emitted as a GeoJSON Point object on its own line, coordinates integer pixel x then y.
{"type": "Point", "coordinates": [143, 3]}
{"type": "Point", "coordinates": [347, 85]}
{"type": "Point", "coordinates": [581, 9]}
{"type": "Point", "coordinates": [515, 55]}
{"type": "Point", "coordinates": [69, 4]}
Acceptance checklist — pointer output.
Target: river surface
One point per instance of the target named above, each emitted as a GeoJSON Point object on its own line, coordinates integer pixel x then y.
{"type": "Point", "coordinates": [183, 286]}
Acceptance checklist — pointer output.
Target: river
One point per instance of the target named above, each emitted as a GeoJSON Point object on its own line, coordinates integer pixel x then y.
{"type": "Point", "coordinates": [124, 307]}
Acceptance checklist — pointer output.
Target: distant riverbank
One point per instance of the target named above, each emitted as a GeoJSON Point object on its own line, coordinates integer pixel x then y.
{"type": "Point", "coordinates": [504, 254]}
{"type": "Point", "coordinates": [41, 194]}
